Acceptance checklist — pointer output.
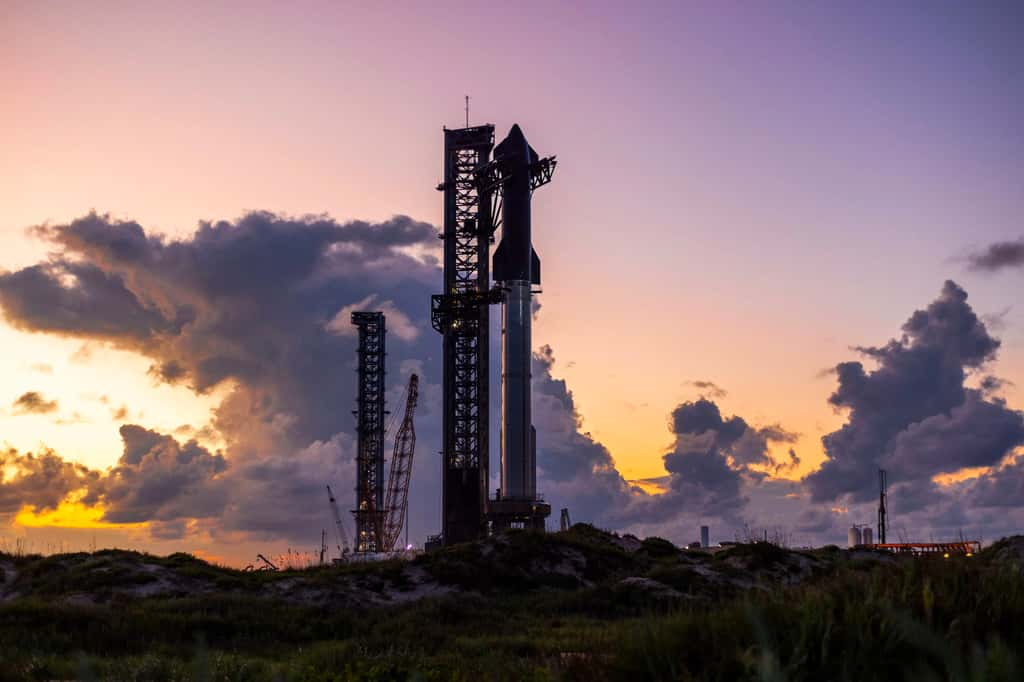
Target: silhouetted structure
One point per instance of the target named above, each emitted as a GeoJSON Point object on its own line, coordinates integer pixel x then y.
{"type": "Point", "coordinates": [369, 414]}
{"type": "Point", "coordinates": [883, 520]}
{"type": "Point", "coordinates": [461, 314]}
{"type": "Point", "coordinates": [514, 174]}
{"type": "Point", "coordinates": [397, 503]}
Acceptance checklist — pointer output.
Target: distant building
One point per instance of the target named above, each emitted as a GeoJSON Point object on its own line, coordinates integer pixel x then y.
{"type": "Point", "coordinates": [705, 537]}
{"type": "Point", "coordinates": [853, 537]}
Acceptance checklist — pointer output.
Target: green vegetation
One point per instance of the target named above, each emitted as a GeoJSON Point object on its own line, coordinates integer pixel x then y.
{"type": "Point", "coordinates": [525, 607]}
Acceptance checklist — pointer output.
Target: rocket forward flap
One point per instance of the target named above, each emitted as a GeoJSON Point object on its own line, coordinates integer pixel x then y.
{"type": "Point", "coordinates": [501, 267]}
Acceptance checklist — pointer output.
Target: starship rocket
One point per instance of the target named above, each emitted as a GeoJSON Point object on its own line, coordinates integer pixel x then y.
{"type": "Point", "coordinates": [516, 269]}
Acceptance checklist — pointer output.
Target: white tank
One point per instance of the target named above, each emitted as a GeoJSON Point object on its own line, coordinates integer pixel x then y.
{"type": "Point", "coordinates": [865, 535]}
{"type": "Point", "coordinates": [853, 537]}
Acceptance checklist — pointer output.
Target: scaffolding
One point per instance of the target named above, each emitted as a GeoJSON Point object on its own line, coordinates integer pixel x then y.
{"type": "Point", "coordinates": [461, 315]}
{"type": "Point", "coordinates": [369, 415]}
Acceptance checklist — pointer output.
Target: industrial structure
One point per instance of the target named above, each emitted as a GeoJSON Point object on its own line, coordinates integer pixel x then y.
{"type": "Point", "coordinates": [379, 517]}
{"type": "Point", "coordinates": [396, 505]}
{"type": "Point", "coordinates": [343, 546]}
{"type": "Point", "coordinates": [481, 195]}
{"type": "Point", "coordinates": [883, 519]}
{"type": "Point", "coordinates": [860, 536]}
{"type": "Point", "coordinates": [461, 314]}
{"type": "Point", "coordinates": [369, 414]}
{"type": "Point", "coordinates": [966, 548]}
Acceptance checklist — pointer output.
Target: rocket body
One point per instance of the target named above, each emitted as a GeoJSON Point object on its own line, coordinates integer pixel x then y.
{"type": "Point", "coordinates": [517, 268]}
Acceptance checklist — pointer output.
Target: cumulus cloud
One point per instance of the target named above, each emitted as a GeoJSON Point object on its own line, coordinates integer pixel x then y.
{"type": "Point", "coordinates": [998, 256]}
{"type": "Point", "coordinates": [397, 322]}
{"type": "Point", "coordinates": [242, 305]}
{"type": "Point", "coordinates": [913, 414]}
{"type": "Point", "coordinates": [714, 458]}
{"type": "Point", "coordinates": [259, 307]}
{"type": "Point", "coordinates": [712, 466]}
{"type": "Point", "coordinates": [33, 402]}
{"type": "Point", "coordinates": [40, 480]}
{"type": "Point", "coordinates": [574, 469]}
{"type": "Point", "coordinates": [159, 479]}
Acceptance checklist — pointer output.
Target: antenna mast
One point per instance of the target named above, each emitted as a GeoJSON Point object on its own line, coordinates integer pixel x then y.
{"type": "Point", "coordinates": [883, 520]}
{"type": "Point", "coordinates": [467, 111]}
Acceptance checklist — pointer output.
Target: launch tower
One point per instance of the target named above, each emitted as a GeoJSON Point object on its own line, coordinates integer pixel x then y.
{"type": "Point", "coordinates": [462, 316]}
{"type": "Point", "coordinates": [369, 415]}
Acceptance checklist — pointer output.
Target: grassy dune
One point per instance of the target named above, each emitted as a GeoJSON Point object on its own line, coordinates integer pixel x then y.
{"type": "Point", "coordinates": [578, 605]}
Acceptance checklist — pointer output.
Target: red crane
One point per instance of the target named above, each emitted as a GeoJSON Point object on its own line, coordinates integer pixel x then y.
{"type": "Point", "coordinates": [397, 501]}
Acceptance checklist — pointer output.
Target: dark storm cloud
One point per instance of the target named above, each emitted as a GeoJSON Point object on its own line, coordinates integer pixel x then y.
{"type": "Point", "coordinates": [1001, 488]}
{"type": "Point", "coordinates": [703, 416]}
{"type": "Point", "coordinates": [158, 478]}
{"type": "Point", "coordinates": [998, 256]}
{"type": "Point", "coordinates": [913, 413]}
{"type": "Point", "coordinates": [977, 433]}
{"type": "Point", "coordinates": [709, 467]}
{"type": "Point", "coordinates": [79, 299]}
{"type": "Point", "coordinates": [33, 402]}
{"type": "Point", "coordinates": [573, 468]}
{"type": "Point", "coordinates": [41, 480]}
{"type": "Point", "coordinates": [714, 466]}
{"type": "Point", "coordinates": [733, 437]}
{"type": "Point", "coordinates": [245, 303]}
{"type": "Point", "coordinates": [242, 301]}
{"type": "Point", "coordinates": [253, 306]}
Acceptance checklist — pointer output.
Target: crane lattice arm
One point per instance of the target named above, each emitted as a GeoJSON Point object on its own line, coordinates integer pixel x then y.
{"type": "Point", "coordinates": [342, 537]}
{"type": "Point", "coordinates": [397, 503]}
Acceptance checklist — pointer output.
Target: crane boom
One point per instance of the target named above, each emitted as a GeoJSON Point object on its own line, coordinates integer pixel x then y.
{"type": "Point", "coordinates": [342, 537]}
{"type": "Point", "coordinates": [397, 503]}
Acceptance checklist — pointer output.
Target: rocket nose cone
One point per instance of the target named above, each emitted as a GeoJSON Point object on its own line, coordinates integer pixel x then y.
{"type": "Point", "coordinates": [515, 146]}
{"type": "Point", "coordinates": [516, 134]}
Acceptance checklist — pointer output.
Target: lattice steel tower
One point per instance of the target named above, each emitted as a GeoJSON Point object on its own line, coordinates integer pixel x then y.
{"type": "Point", "coordinates": [461, 314]}
{"type": "Point", "coordinates": [369, 414]}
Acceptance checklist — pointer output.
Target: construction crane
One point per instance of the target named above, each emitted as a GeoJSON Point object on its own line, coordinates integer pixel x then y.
{"type": "Point", "coordinates": [396, 505]}
{"type": "Point", "coordinates": [342, 537]}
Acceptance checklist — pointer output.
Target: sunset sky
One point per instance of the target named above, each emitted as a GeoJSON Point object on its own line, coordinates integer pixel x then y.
{"type": "Point", "coordinates": [744, 195]}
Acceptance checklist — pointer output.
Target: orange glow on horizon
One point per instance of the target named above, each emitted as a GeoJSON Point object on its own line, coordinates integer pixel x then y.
{"type": "Point", "coordinates": [68, 515]}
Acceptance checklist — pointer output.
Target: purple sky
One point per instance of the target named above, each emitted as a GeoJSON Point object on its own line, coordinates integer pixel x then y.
{"type": "Point", "coordinates": [743, 193]}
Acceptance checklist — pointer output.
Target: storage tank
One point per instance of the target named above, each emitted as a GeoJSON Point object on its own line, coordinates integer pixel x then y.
{"type": "Point", "coordinates": [865, 535]}
{"type": "Point", "coordinates": [853, 537]}
{"type": "Point", "coordinates": [705, 537]}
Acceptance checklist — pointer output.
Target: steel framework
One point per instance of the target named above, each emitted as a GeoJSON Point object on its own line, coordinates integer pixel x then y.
{"type": "Point", "coordinates": [883, 518]}
{"type": "Point", "coordinates": [947, 549]}
{"type": "Point", "coordinates": [397, 503]}
{"type": "Point", "coordinates": [369, 414]}
{"type": "Point", "coordinates": [461, 315]}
